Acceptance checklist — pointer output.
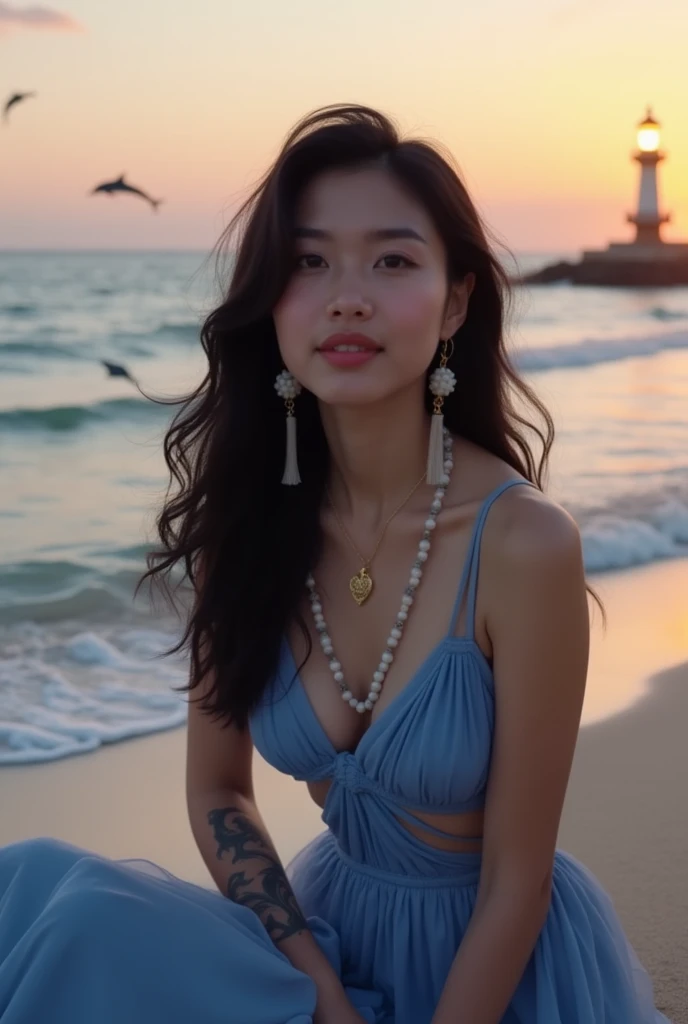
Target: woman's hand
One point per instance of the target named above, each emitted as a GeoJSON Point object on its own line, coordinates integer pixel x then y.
{"type": "Point", "coordinates": [331, 1004]}
{"type": "Point", "coordinates": [336, 1009]}
{"type": "Point", "coordinates": [344, 1015]}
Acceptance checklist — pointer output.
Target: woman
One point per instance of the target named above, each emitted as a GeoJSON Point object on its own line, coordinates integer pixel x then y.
{"type": "Point", "coordinates": [390, 609]}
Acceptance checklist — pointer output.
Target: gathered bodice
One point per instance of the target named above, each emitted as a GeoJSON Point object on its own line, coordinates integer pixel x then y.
{"type": "Point", "coordinates": [429, 750]}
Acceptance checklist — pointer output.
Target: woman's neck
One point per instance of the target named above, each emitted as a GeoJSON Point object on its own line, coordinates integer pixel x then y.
{"type": "Point", "coordinates": [379, 453]}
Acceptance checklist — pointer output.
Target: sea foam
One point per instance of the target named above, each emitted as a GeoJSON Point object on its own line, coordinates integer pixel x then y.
{"type": "Point", "coordinates": [613, 541]}
{"type": "Point", "coordinates": [591, 351]}
{"type": "Point", "coordinates": [60, 697]}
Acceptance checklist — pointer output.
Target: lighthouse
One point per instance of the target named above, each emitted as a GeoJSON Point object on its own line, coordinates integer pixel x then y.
{"type": "Point", "coordinates": [647, 218]}
{"type": "Point", "coordinates": [647, 260]}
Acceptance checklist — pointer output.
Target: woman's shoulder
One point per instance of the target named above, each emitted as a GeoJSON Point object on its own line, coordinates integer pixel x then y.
{"type": "Point", "coordinates": [524, 525]}
{"type": "Point", "coordinates": [528, 528]}
{"type": "Point", "coordinates": [531, 558]}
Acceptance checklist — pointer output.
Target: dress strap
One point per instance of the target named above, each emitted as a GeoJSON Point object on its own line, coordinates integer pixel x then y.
{"type": "Point", "coordinates": [469, 576]}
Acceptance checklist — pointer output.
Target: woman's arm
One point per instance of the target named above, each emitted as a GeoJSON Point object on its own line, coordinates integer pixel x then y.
{"type": "Point", "coordinates": [533, 584]}
{"type": "Point", "coordinates": [240, 855]}
{"type": "Point", "coordinates": [242, 860]}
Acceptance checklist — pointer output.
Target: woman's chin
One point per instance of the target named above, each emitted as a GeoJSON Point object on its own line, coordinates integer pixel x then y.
{"type": "Point", "coordinates": [352, 395]}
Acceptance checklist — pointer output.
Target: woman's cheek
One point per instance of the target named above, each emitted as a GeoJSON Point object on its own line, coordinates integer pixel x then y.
{"type": "Point", "coordinates": [419, 313]}
{"type": "Point", "coordinates": [294, 325]}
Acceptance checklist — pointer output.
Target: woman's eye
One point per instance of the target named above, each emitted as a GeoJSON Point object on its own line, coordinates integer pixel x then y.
{"type": "Point", "coordinates": [307, 256]}
{"type": "Point", "coordinates": [405, 261]}
{"type": "Point", "coordinates": [309, 261]}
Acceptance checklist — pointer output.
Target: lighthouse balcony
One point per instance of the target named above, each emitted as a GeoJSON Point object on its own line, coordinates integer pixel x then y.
{"type": "Point", "coordinates": [648, 219]}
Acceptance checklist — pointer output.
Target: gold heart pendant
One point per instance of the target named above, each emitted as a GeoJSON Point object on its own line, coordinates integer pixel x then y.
{"type": "Point", "coordinates": [360, 586]}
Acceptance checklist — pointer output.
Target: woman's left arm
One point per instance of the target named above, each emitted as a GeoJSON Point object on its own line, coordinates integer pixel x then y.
{"type": "Point", "coordinates": [533, 581]}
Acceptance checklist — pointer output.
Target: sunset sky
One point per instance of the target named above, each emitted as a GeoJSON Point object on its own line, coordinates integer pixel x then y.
{"type": "Point", "coordinates": [538, 101]}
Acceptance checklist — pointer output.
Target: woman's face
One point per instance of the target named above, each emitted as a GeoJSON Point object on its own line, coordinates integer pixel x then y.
{"type": "Point", "coordinates": [368, 260]}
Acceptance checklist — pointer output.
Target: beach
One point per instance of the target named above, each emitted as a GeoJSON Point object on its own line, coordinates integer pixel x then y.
{"type": "Point", "coordinates": [624, 814]}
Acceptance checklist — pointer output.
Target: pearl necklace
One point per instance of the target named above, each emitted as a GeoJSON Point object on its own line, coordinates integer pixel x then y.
{"type": "Point", "coordinates": [397, 630]}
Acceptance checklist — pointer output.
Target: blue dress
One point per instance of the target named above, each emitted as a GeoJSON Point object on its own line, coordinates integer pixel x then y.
{"type": "Point", "coordinates": [85, 939]}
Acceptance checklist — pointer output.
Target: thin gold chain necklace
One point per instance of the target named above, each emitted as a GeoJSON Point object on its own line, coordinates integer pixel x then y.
{"type": "Point", "coordinates": [361, 584]}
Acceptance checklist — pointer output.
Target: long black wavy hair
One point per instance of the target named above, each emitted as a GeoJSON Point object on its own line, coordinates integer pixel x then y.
{"type": "Point", "coordinates": [246, 542]}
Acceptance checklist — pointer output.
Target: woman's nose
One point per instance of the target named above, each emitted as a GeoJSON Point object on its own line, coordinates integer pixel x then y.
{"type": "Point", "coordinates": [345, 305]}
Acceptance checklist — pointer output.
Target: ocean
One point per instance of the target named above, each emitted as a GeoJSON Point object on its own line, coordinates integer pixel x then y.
{"type": "Point", "coordinates": [82, 472]}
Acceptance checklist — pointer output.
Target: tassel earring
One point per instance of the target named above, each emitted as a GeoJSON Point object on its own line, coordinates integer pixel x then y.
{"type": "Point", "coordinates": [288, 388]}
{"type": "Point", "coordinates": [442, 382]}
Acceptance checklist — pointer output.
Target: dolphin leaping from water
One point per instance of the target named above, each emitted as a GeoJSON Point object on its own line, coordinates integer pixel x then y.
{"type": "Point", "coordinates": [117, 370]}
{"type": "Point", "coordinates": [15, 98]}
{"type": "Point", "coordinates": [120, 185]}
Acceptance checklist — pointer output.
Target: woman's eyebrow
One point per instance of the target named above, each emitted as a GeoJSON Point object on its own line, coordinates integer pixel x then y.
{"type": "Point", "coordinates": [376, 235]}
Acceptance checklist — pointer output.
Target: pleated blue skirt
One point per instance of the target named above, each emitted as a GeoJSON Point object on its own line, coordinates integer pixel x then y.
{"type": "Point", "coordinates": [87, 940]}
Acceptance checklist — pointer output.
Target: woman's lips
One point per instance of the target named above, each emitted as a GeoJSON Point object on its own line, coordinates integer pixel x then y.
{"type": "Point", "coordinates": [348, 355]}
{"type": "Point", "coordinates": [347, 350]}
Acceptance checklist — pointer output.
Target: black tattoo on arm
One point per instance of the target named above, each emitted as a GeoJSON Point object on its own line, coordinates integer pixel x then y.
{"type": "Point", "coordinates": [266, 889]}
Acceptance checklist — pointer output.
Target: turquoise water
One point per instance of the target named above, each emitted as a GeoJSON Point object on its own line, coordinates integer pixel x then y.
{"type": "Point", "coordinates": [82, 471]}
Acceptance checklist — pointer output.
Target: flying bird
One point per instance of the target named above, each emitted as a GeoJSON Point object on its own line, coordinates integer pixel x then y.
{"type": "Point", "coordinates": [15, 98]}
{"type": "Point", "coordinates": [120, 185]}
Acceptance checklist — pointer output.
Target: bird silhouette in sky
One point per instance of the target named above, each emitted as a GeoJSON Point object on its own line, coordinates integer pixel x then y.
{"type": "Point", "coordinates": [17, 97]}
{"type": "Point", "coordinates": [120, 185]}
